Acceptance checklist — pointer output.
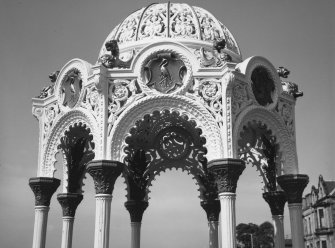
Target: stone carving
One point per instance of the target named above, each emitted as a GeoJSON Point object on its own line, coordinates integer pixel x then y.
{"type": "Point", "coordinates": [259, 147]}
{"type": "Point", "coordinates": [136, 209]}
{"type": "Point", "coordinates": [240, 98]}
{"type": "Point", "coordinates": [128, 28]}
{"type": "Point", "coordinates": [92, 100]}
{"type": "Point", "coordinates": [209, 28]}
{"type": "Point", "coordinates": [137, 180]}
{"type": "Point", "coordinates": [283, 72]}
{"type": "Point", "coordinates": [214, 58]}
{"type": "Point", "coordinates": [263, 86]}
{"type": "Point", "coordinates": [293, 185]}
{"type": "Point", "coordinates": [167, 138]}
{"type": "Point", "coordinates": [50, 114]}
{"type": "Point", "coordinates": [291, 89]}
{"type": "Point", "coordinates": [276, 201]}
{"type": "Point", "coordinates": [43, 188]}
{"type": "Point", "coordinates": [226, 174]}
{"type": "Point", "coordinates": [104, 173]}
{"type": "Point", "coordinates": [285, 110]}
{"type": "Point", "coordinates": [77, 148]}
{"type": "Point", "coordinates": [70, 88]}
{"type": "Point", "coordinates": [165, 73]}
{"type": "Point", "coordinates": [212, 209]}
{"type": "Point", "coordinates": [121, 94]}
{"type": "Point", "coordinates": [69, 203]}
{"type": "Point", "coordinates": [182, 22]}
{"type": "Point", "coordinates": [230, 41]}
{"type": "Point", "coordinates": [49, 90]}
{"type": "Point", "coordinates": [113, 60]}
{"type": "Point", "coordinates": [153, 22]}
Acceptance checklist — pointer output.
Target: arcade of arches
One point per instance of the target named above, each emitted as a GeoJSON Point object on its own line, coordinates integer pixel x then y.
{"type": "Point", "coordinates": [170, 90]}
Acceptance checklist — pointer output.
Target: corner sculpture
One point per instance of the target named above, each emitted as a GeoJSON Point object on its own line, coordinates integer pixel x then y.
{"type": "Point", "coordinates": [112, 60]}
{"type": "Point", "coordinates": [176, 94]}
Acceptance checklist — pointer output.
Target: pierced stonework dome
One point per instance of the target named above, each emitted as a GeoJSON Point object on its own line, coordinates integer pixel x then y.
{"type": "Point", "coordinates": [187, 24]}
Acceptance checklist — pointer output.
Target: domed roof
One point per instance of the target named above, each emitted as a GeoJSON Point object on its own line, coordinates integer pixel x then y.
{"type": "Point", "coordinates": [176, 21]}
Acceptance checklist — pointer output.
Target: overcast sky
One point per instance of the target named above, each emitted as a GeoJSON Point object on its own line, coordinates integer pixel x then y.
{"type": "Point", "coordinates": [39, 37]}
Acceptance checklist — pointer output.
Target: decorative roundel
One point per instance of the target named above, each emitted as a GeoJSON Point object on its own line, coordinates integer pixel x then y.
{"type": "Point", "coordinates": [70, 88]}
{"type": "Point", "coordinates": [263, 85]}
{"type": "Point", "coordinates": [173, 143]}
{"type": "Point", "coordinates": [166, 72]}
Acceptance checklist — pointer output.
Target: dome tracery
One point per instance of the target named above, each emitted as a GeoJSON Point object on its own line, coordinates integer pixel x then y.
{"type": "Point", "coordinates": [179, 21]}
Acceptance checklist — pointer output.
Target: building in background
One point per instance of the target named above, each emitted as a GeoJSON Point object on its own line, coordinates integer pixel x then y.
{"type": "Point", "coordinates": [319, 215]}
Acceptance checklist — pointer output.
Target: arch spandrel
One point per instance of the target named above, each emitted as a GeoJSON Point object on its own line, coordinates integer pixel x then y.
{"type": "Point", "coordinates": [183, 105]}
{"type": "Point", "coordinates": [273, 122]}
{"type": "Point", "coordinates": [62, 124]}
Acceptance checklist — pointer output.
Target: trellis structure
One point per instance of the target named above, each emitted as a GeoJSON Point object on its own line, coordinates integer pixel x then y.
{"type": "Point", "coordinates": [170, 90]}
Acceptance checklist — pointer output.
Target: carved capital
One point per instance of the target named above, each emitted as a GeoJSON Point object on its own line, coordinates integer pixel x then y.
{"type": "Point", "coordinates": [212, 208]}
{"type": "Point", "coordinates": [293, 185]}
{"type": "Point", "coordinates": [276, 201]}
{"type": "Point", "coordinates": [104, 173]}
{"type": "Point", "coordinates": [226, 173]}
{"type": "Point", "coordinates": [43, 188]}
{"type": "Point", "coordinates": [69, 203]}
{"type": "Point", "coordinates": [136, 209]}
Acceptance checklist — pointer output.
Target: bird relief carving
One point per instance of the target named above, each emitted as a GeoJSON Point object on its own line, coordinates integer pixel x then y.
{"type": "Point", "coordinates": [165, 73]}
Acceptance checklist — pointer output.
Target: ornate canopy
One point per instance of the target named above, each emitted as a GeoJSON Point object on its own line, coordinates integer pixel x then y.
{"type": "Point", "coordinates": [170, 89]}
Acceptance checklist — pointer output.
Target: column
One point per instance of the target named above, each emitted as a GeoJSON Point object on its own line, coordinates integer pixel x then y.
{"type": "Point", "coordinates": [43, 188]}
{"type": "Point", "coordinates": [276, 201]}
{"type": "Point", "coordinates": [136, 210]}
{"type": "Point", "coordinates": [69, 203]}
{"type": "Point", "coordinates": [104, 173]}
{"type": "Point", "coordinates": [212, 208]}
{"type": "Point", "coordinates": [226, 173]}
{"type": "Point", "coordinates": [294, 185]}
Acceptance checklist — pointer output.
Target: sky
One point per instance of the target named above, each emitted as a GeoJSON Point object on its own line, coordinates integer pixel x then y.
{"type": "Point", "coordinates": [38, 37]}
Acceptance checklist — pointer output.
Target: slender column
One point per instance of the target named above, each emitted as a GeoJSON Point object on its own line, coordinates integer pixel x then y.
{"type": "Point", "coordinates": [136, 210]}
{"type": "Point", "coordinates": [212, 208]}
{"type": "Point", "coordinates": [294, 185]}
{"type": "Point", "coordinates": [43, 188]}
{"type": "Point", "coordinates": [226, 173]}
{"type": "Point", "coordinates": [104, 173]}
{"type": "Point", "coordinates": [69, 203]}
{"type": "Point", "coordinates": [276, 201]}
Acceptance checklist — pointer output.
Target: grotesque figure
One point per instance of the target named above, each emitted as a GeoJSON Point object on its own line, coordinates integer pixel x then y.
{"type": "Point", "coordinates": [49, 90]}
{"type": "Point", "coordinates": [219, 45]}
{"type": "Point", "coordinates": [283, 72]}
{"type": "Point", "coordinates": [112, 60]}
{"type": "Point", "coordinates": [292, 89]}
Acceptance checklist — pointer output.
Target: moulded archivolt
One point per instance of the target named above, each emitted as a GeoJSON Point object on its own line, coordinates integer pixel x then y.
{"type": "Point", "coordinates": [249, 66]}
{"type": "Point", "coordinates": [62, 124]}
{"type": "Point", "coordinates": [183, 105]}
{"type": "Point", "coordinates": [287, 147]}
{"type": "Point", "coordinates": [84, 71]}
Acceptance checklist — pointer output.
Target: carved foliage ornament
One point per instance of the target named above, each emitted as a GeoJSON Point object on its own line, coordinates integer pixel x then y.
{"type": "Point", "coordinates": [121, 94]}
{"type": "Point", "coordinates": [258, 146]}
{"type": "Point", "coordinates": [182, 22]}
{"type": "Point", "coordinates": [240, 98]}
{"type": "Point", "coordinates": [69, 203]}
{"type": "Point", "coordinates": [43, 188]}
{"type": "Point", "coordinates": [77, 147]}
{"type": "Point", "coordinates": [50, 112]}
{"type": "Point", "coordinates": [286, 110]}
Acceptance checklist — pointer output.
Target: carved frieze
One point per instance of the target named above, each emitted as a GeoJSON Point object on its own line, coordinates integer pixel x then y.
{"type": "Point", "coordinates": [43, 188]}
{"type": "Point", "coordinates": [69, 203]}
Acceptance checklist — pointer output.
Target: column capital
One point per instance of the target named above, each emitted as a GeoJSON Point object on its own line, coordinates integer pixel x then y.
{"type": "Point", "coordinates": [69, 203]}
{"type": "Point", "coordinates": [293, 185]}
{"type": "Point", "coordinates": [226, 173]}
{"type": "Point", "coordinates": [276, 201]}
{"type": "Point", "coordinates": [212, 209]}
{"type": "Point", "coordinates": [136, 209]}
{"type": "Point", "coordinates": [104, 173]}
{"type": "Point", "coordinates": [43, 188]}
